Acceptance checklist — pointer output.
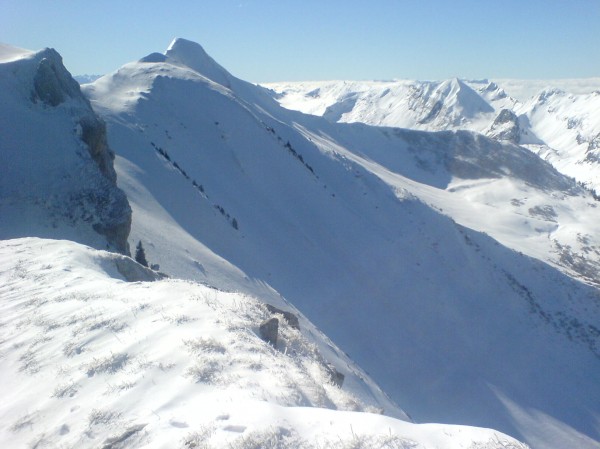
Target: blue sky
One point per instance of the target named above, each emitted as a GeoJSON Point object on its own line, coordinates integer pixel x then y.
{"type": "Point", "coordinates": [281, 40]}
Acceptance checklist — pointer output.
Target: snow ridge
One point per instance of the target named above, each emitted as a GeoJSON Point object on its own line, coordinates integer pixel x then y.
{"type": "Point", "coordinates": [387, 227]}
{"type": "Point", "coordinates": [190, 54]}
{"type": "Point", "coordinates": [92, 361]}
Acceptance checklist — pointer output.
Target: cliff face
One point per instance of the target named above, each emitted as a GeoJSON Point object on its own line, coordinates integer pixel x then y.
{"type": "Point", "coordinates": [58, 178]}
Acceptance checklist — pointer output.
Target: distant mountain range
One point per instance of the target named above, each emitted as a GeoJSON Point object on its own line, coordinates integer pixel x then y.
{"type": "Point", "coordinates": [84, 79]}
{"type": "Point", "coordinates": [562, 127]}
{"type": "Point", "coordinates": [454, 265]}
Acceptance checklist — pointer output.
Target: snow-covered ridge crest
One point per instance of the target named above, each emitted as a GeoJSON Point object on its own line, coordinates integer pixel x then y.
{"type": "Point", "coordinates": [91, 361]}
{"type": "Point", "coordinates": [9, 53]}
{"type": "Point", "coordinates": [191, 54]}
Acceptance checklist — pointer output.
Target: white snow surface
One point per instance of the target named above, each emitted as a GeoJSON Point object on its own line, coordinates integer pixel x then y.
{"type": "Point", "coordinates": [90, 360]}
{"type": "Point", "coordinates": [460, 272]}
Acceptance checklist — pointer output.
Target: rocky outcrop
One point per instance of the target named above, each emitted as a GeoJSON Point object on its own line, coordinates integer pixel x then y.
{"type": "Point", "coordinates": [268, 331]}
{"type": "Point", "coordinates": [52, 83]}
{"type": "Point", "coordinates": [289, 317]}
{"type": "Point", "coordinates": [93, 133]}
{"type": "Point", "coordinates": [135, 272]}
{"type": "Point", "coordinates": [505, 127]}
{"type": "Point", "coordinates": [48, 174]}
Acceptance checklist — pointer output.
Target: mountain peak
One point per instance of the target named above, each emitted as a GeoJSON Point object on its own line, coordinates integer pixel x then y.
{"type": "Point", "coordinates": [190, 54]}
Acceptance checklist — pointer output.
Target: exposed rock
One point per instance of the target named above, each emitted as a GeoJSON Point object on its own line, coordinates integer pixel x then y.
{"type": "Point", "coordinates": [93, 133]}
{"type": "Point", "coordinates": [52, 82]}
{"type": "Point", "coordinates": [290, 318]}
{"type": "Point", "coordinates": [506, 127]}
{"type": "Point", "coordinates": [336, 377]}
{"type": "Point", "coordinates": [94, 198]}
{"type": "Point", "coordinates": [134, 272]}
{"type": "Point", "coordinates": [269, 329]}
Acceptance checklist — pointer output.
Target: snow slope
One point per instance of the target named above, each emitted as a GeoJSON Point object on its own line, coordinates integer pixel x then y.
{"type": "Point", "coordinates": [560, 121]}
{"type": "Point", "coordinates": [569, 127]}
{"type": "Point", "coordinates": [231, 190]}
{"type": "Point", "coordinates": [90, 360]}
{"type": "Point", "coordinates": [425, 105]}
{"type": "Point", "coordinates": [58, 178]}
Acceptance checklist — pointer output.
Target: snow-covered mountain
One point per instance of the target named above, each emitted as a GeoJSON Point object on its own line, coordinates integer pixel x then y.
{"type": "Point", "coordinates": [84, 79]}
{"type": "Point", "coordinates": [459, 271]}
{"type": "Point", "coordinates": [58, 178]}
{"type": "Point", "coordinates": [561, 127]}
{"type": "Point", "coordinates": [89, 360]}
{"type": "Point", "coordinates": [346, 222]}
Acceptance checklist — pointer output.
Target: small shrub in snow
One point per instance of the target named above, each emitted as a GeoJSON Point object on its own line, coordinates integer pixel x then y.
{"type": "Point", "coordinates": [371, 442]}
{"type": "Point", "coordinates": [498, 443]}
{"type": "Point", "coordinates": [29, 362]}
{"type": "Point", "coordinates": [23, 422]}
{"type": "Point", "coordinates": [179, 319]}
{"type": "Point", "coordinates": [198, 439]}
{"type": "Point", "coordinates": [200, 345]}
{"type": "Point", "coordinates": [119, 388]}
{"type": "Point", "coordinates": [102, 417]}
{"type": "Point", "coordinates": [206, 371]}
{"type": "Point", "coordinates": [110, 324]}
{"type": "Point", "coordinates": [73, 348]}
{"type": "Point", "coordinates": [68, 389]}
{"type": "Point", "coordinates": [110, 364]}
{"type": "Point", "coordinates": [279, 438]}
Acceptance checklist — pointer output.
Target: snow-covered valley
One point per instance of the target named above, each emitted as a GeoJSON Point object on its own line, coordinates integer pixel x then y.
{"type": "Point", "coordinates": [459, 271]}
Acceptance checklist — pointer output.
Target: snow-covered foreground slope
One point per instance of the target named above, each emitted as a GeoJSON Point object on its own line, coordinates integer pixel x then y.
{"type": "Point", "coordinates": [57, 176]}
{"type": "Point", "coordinates": [230, 189]}
{"type": "Point", "coordinates": [563, 126]}
{"type": "Point", "coordinates": [90, 360]}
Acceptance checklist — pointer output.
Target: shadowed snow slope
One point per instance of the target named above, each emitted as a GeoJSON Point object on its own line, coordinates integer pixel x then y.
{"type": "Point", "coordinates": [91, 361]}
{"type": "Point", "coordinates": [57, 177]}
{"type": "Point", "coordinates": [232, 190]}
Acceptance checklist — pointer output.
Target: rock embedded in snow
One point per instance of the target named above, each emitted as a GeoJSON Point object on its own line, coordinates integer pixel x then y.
{"type": "Point", "coordinates": [505, 127]}
{"type": "Point", "coordinates": [269, 330]}
{"type": "Point", "coordinates": [290, 318]}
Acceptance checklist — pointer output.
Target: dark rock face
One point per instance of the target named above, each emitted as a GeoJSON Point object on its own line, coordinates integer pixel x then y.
{"type": "Point", "coordinates": [336, 377]}
{"type": "Point", "coordinates": [289, 317]}
{"type": "Point", "coordinates": [269, 330]}
{"type": "Point", "coordinates": [101, 202]}
{"type": "Point", "coordinates": [52, 83]}
{"type": "Point", "coordinates": [506, 127]}
{"type": "Point", "coordinates": [93, 133]}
